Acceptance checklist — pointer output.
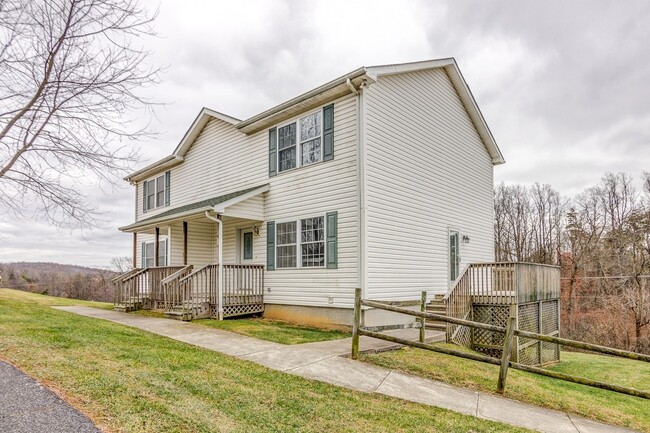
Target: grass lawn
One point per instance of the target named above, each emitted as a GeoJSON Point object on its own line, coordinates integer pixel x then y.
{"type": "Point", "coordinates": [129, 380]}
{"type": "Point", "coordinates": [607, 406]}
{"type": "Point", "coordinates": [265, 329]}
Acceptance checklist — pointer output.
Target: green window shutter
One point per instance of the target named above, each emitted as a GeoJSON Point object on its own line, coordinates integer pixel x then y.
{"type": "Point", "coordinates": [270, 246]}
{"type": "Point", "coordinates": [273, 152]}
{"type": "Point", "coordinates": [332, 242]}
{"type": "Point", "coordinates": [328, 132]}
{"type": "Point", "coordinates": [144, 196]}
{"type": "Point", "coordinates": [143, 253]}
{"type": "Point", "coordinates": [168, 176]}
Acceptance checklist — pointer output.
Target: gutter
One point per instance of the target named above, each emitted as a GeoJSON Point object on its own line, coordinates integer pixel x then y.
{"type": "Point", "coordinates": [298, 99]}
{"type": "Point", "coordinates": [166, 162]}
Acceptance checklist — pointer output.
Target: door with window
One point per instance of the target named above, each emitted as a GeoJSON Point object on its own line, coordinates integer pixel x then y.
{"type": "Point", "coordinates": [454, 256]}
{"type": "Point", "coordinates": [246, 246]}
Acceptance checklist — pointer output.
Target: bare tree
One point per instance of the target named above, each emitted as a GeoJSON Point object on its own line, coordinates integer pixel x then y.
{"type": "Point", "coordinates": [70, 71]}
{"type": "Point", "coordinates": [121, 264]}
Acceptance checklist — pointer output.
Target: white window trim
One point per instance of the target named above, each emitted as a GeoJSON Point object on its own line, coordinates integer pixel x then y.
{"type": "Point", "coordinates": [155, 192]}
{"type": "Point", "coordinates": [298, 243]}
{"type": "Point", "coordinates": [160, 247]}
{"type": "Point", "coordinates": [298, 142]}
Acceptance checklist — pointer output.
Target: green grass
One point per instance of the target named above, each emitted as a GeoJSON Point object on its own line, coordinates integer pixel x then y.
{"type": "Point", "coordinates": [274, 330]}
{"type": "Point", "coordinates": [606, 406]}
{"type": "Point", "coordinates": [265, 329]}
{"type": "Point", "coordinates": [129, 380]}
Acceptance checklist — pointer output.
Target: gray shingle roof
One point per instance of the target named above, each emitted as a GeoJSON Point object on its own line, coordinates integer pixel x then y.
{"type": "Point", "coordinates": [200, 204]}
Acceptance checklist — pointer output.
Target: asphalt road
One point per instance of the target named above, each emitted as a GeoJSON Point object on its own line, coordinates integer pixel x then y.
{"type": "Point", "coordinates": [26, 406]}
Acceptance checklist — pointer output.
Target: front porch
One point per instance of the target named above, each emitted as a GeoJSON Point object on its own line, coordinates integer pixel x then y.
{"type": "Point", "coordinates": [199, 260]}
{"type": "Point", "coordinates": [188, 292]}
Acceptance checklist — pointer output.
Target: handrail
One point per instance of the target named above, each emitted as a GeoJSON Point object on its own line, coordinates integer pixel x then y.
{"type": "Point", "coordinates": [175, 275]}
{"type": "Point", "coordinates": [194, 273]}
{"type": "Point", "coordinates": [453, 287]}
{"type": "Point", "coordinates": [124, 275]}
{"type": "Point", "coordinates": [140, 272]}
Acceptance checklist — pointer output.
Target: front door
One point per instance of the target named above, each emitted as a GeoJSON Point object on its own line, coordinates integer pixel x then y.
{"type": "Point", "coordinates": [246, 246]}
{"type": "Point", "coordinates": [454, 258]}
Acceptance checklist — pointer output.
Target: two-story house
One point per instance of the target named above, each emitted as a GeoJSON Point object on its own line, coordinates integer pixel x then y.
{"type": "Point", "coordinates": [380, 179]}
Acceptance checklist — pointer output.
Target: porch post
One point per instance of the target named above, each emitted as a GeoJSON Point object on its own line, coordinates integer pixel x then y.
{"type": "Point", "coordinates": [155, 248]}
{"type": "Point", "coordinates": [185, 243]}
{"type": "Point", "coordinates": [135, 250]}
{"type": "Point", "coordinates": [220, 262]}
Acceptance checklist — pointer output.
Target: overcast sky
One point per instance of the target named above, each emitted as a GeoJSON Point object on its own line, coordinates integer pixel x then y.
{"type": "Point", "coordinates": [563, 85]}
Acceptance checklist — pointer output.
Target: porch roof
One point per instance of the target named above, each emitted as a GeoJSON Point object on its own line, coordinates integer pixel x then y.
{"type": "Point", "coordinates": [217, 204]}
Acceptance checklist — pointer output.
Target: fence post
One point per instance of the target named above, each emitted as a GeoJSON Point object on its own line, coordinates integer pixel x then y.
{"type": "Point", "coordinates": [423, 309]}
{"type": "Point", "coordinates": [505, 355]}
{"type": "Point", "coordinates": [356, 324]}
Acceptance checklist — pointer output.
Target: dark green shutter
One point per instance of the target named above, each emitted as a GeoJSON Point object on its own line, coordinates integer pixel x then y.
{"type": "Point", "coordinates": [168, 176]}
{"type": "Point", "coordinates": [332, 243]}
{"type": "Point", "coordinates": [142, 253]}
{"type": "Point", "coordinates": [144, 196]}
{"type": "Point", "coordinates": [328, 132]}
{"type": "Point", "coordinates": [270, 246]}
{"type": "Point", "coordinates": [273, 152]}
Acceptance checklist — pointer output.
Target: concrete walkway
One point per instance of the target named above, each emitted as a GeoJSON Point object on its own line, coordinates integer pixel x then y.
{"type": "Point", "coordinates": [26, 406]}
{"type": "Point", "coordinates": [324, 361]}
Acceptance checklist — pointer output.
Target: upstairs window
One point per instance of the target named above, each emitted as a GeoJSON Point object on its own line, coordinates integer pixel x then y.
{"type": "Point", "coordinates": [299, 143]}
{"type": "Point", "coordinates": [155, 192]}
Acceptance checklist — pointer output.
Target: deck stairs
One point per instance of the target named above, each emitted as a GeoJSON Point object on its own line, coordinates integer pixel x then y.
{"type": "Point", "coordinates": [188, 310]}
{"type": "Point", "coordinates": [436, 306]}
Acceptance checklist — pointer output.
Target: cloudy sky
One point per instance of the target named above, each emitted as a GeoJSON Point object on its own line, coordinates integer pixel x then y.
{"type": "Point", "coordinates": [563, 85]}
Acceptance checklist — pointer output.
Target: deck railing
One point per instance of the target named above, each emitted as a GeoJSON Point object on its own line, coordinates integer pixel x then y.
{"type": "Point", "coordinates": [173, 290]}
{"type": "Point", "coordinates": [198, 287]}
{"type": "Point", "coordinates": [497, 284]}
{"type": "Point", "coordinates": [141, 288]}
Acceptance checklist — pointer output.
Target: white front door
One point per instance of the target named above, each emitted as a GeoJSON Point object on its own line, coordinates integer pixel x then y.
{"type": "Point", "coordinates": [246, 246]}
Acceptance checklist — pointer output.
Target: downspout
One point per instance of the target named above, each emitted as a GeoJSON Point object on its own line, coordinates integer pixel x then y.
{"type": "Point", "coordinates": [217, 219]}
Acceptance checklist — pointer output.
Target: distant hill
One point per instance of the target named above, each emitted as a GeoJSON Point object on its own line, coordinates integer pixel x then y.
{"type": "Point", "coordinates": [56, 279]}
{"type": "Point", "coordinates": [50, 267]}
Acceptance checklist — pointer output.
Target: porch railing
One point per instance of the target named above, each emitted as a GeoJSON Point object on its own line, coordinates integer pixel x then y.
{"type": "Point", "coordinates": [141, 288]}
{"type": "Point", "coordinates": [197, 288]}
{"type": "Point", "coordinates": [173, 289]}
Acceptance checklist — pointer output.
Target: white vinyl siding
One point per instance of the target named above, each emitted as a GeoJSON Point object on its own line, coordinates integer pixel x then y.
{"type": "Point", "coordinates": [427, 171]}
{"type": "Point", "coordinates": [223, 160]}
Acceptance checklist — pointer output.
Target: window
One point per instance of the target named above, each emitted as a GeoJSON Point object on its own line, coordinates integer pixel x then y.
{"type": "Point", "coordinates": [301, 243]}
{"type": "Point", "coordinates": [312, 242]}
{"type": "Point", "coordinates": [156, 192]}
{"type": "Point", "coordinates": [310, 134]}
{"type": "Point", "coordinates": [287, 147]}
{"type": "Point", "coordinates": [151, 194]}
{"type": "Point", "coordinates": [310, 130]}
{"type": "Point", "coordinates": [248, 246]}
{"type": "Point", "coordinates": [286, 245]}
{"type": "Point", "coordinates": [148, 254]}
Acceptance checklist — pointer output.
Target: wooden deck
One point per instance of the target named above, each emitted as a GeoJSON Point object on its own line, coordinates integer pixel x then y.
{"type": "Point", "coordinates": [491, 292]}
{"type": "Point", "coordinates": [187, 293]}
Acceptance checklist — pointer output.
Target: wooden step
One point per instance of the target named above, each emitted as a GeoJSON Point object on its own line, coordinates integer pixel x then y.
{"type": "Point", "coordinates": [179, 315]}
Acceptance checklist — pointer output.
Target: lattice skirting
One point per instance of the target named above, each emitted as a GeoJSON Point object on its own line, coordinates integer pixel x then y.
{"type": "Point", "coordinates": [539, 317]}
{"type": "Point", "coordinates": [236, 310]}
{"type": "Point", "coordinates": [489, 342]}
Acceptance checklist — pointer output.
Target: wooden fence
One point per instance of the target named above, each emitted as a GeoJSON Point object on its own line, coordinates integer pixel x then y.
{"type": "Point", "coordinates": [505, 363]}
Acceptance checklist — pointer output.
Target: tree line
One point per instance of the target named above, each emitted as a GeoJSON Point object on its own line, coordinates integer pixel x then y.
{"type": "Point", "coordinates": [55, 279]}
{"type": "Point", "coordinates": [600, 238]}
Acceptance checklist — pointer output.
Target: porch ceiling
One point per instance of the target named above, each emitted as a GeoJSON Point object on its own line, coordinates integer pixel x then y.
{"type": "Point", "coordinates": [218, 204]}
